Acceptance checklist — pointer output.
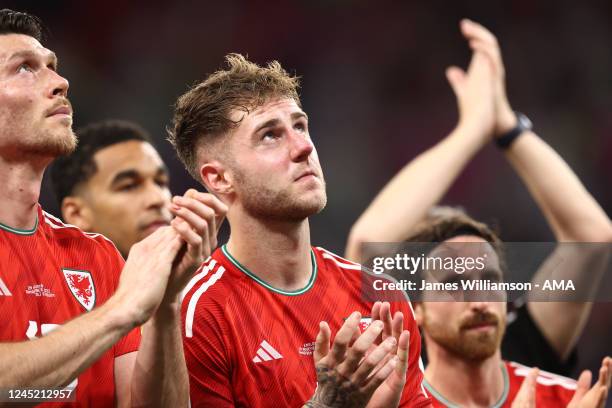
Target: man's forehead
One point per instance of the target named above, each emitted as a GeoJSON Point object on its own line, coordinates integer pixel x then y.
{"type": "Point", "coordinates": [129, 154]}
{"type": "Point", "coordinates": [268, 110]}
{"type": "Point", "coordinates": [12, 44]}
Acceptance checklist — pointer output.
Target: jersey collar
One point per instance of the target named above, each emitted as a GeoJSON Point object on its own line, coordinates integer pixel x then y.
{"type": "Point", "coordinates": [500, 402]}
{"type": "Point", "coordinates": [265, 284]}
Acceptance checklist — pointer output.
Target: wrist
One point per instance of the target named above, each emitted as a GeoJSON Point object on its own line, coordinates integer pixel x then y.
{"type": "Point", "coordinates": [506, 121]}
{"type": "Point", "coordinates": [469, 135]}
{"type": "Point", "coordinates": [169, 309]}
{"type": "Point", "coordinates": [122, 314]}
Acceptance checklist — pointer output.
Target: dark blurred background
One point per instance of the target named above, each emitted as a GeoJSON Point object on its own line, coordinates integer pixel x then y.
{"type": "Point", "coordinates": [373, 85]}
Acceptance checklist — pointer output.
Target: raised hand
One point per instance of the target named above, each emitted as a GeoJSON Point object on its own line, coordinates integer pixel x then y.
{"type": "Point", "coordinates": [475, 92]}
{"type": "Point", "coordinates": [347, 375]}
{"type": "Point", "coordinates": [389, 393]}
{"type": "Point", "coordinates": [596, 396]}
{"type": "Point", "coordinates": [526, 396]}
{"type": "Point", "coordinates": [198, 217]}
{"type": "Point", "coordinates": [144, 278]}
{"type": "Point", "coordinates": [483, 41]}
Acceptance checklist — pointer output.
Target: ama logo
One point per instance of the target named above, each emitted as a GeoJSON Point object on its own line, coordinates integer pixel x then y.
{"type": "Point", "coordinates": [82, 287]}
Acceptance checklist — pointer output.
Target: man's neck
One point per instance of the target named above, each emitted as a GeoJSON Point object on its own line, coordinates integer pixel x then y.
{"type": "Point", "coordinates": [20, 183]}
{"type": "Point", "coordinates": [276, 252]}
{"type": "Point", "coordinates": [462, 382]}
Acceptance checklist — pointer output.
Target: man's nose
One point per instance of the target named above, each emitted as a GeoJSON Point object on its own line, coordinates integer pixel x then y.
{"type": "Point", "coordinates": [301, 146]}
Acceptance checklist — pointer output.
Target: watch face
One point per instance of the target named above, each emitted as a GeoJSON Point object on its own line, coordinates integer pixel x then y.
{"type": "Point", "coordinates": [524, 122]}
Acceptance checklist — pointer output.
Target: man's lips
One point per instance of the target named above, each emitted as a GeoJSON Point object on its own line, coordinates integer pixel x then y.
{"type": "Point", "coordinates": [62, 110]}
{"type": "Point", "coordinates": [479, 326]}
{"type": "Point", "coordinates": [306, 174]}
{"type": "Point", "coordinates": [155, 225]}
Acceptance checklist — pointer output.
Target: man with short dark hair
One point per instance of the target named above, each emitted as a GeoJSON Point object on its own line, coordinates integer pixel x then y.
{"type": "Point", "coordinates": [114, 183]}
{"type": "Point", "coordinates": [266, 302]}
{"type": "Point", "coordinates": [70, 306]}
{"type": "Point", "coordinates": [464, 338]}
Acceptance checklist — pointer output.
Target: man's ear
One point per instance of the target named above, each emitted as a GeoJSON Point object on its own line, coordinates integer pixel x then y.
{"type": "Point", "coordinates": [419, 313]}
{"type": "Point", "coordinates": [216, 178]}
{"type": "Point", "coordinates": [76, 212]}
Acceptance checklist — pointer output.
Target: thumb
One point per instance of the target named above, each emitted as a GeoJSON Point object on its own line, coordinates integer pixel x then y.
{"type": "Point", "coordinates": [526, 394]}
{"type": "Point", "coordinates": [456, 79]}
{"type": "Point", "coordinates": [322, 342]}
{"type": "Point", "coordinates": [582, 386]}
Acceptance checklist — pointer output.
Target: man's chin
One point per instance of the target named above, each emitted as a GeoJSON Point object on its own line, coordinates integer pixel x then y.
{"type": "Point", "coordinates": [56, 145]}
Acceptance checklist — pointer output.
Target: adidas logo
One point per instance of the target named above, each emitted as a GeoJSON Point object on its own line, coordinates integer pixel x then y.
{"type": "Point", "coordinates": [4, 290]}
{"type": "Point", "coordinates": [266, 353]}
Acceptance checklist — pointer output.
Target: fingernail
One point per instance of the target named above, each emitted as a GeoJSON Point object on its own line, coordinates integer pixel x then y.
{"type": "Point", "coordinates": [175, 207]}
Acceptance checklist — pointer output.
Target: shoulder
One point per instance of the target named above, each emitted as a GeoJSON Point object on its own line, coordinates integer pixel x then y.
{"type": "Point", "coordinates": [60, 231]}
{"type": "Point", "coordinates": [373, 286]}
{"type": "Point", "coordinates": [550, 387]}
{"type": "Point", "coordinates": [330, 260]}
{"type": "Point", "coordinates": [205, 294]}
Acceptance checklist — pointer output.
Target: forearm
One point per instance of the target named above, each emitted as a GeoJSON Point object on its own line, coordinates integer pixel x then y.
{"type": "Point", "coordinates": [571, 211]}
{"type": "Point", "coordinates": [59, 357]}
{"type": "Point", "coordinates": [160, 375]}
{"type": "Point", "coordinates": [584, 265]}
{"type": "Point", "coordinates": [418, 186]}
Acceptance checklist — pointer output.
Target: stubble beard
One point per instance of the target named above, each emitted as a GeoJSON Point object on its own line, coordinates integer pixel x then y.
{"type": "Point", "coordinates": [469, 346]}
{"type": "Point", "coordinates": [262, 202]}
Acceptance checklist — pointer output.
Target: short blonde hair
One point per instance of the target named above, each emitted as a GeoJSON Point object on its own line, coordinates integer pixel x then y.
{"type": "Point", "coordinates": [202, 114]}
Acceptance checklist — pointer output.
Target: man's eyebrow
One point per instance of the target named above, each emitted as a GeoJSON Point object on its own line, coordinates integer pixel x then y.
{"type": "Point", "coordinates": [125, 174]}
{"type": "Point", "coordinates": [31, 54]}
{"type": "Point", "coordinates": [298, 115]}
{"type": "Point", "coordinates": [267, 123]}
{"type": "Point", "coordinates": [274, 122]}
{"type": "Point", "coordinates": [162, 170]}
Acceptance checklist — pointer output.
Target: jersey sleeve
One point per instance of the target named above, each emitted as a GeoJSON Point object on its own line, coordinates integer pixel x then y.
{"type": "Point", "coordinates": [414, 392]}
{"type": "Point", "coordinates": [207, 356]}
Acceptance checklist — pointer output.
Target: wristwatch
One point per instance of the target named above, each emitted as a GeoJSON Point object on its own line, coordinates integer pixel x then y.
{"type": "Point", "coordinates": [522, 124]}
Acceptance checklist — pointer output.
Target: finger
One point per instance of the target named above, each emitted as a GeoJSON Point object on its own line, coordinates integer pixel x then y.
{"type": "Point", "coordinates": [372, 360]}
{"type": "Point", "coordinates": [526, 394]}
{"type": "Point", "coordinates": [194, 241]}
{"type": "Point", "coordinates": [456, 79]}
{"type": "Point", "coordinates": [161, 240]}
{"type": "Point", "coordinates": [322, 342]}
{"type": "Point", "coordinates": [379, 377]}
{"type": "Point", "coordinates": [359, 348]}
{"type": "Point", "coordinates": [386, 318]}
{"type": "Point", "coordinates": [403, 346]}
{"type": "Point", "coordinates": [219, 207]}
{"type": "Point", "coordinates": [473, 30]}
{"type": "Point", "coordinates": [198, 215]}
{"type": "Point", "coordinates": [375, 315]}
{"type": "Point", "coordinates": [397, 326]}
{"type": "Point", "coordinates": [343, 337]}
{"type": "Point", "coordinates": [604, 374]}
{"type": "Point", "coordinates": [492, 54]}
{"type": "Point", "coordinates": [607, 363]}
{"type": "Point", "coordinates": [584, 383]}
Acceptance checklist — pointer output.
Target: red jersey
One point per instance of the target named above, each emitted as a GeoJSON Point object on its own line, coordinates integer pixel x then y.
{"type": "Point", "coordinates": [250, 344]}
{"type": "Point", "coordinates": [551, 390]}
{"type": "Point", "coordinates": [51, 274]}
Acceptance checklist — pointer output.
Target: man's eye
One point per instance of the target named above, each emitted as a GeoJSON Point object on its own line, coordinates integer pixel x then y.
{"type": "Point", "coordinates": [128, 187]}
{"type": "Point", "coordinates": [269, 135]}
{"type": "Point", "coordinates": [300, 126]}
{"type": "Point", "coordinates": [25, 67]}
